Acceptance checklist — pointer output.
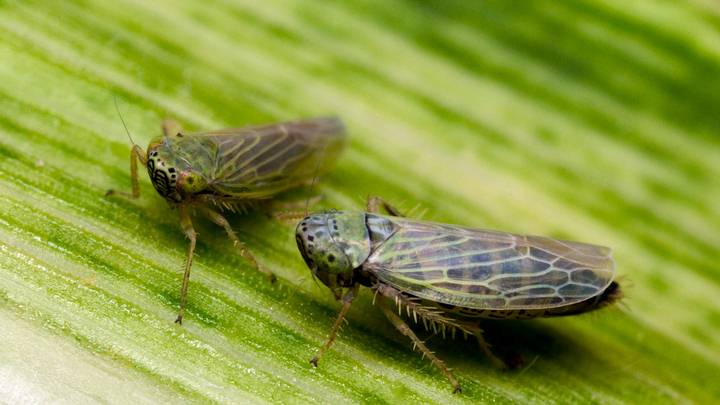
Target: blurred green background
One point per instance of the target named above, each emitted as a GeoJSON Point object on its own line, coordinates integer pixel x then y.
{"type": "Point", "coordinates": [588, 120]}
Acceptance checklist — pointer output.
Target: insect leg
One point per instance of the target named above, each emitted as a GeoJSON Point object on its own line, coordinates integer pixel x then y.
{"type": "Point", "coordinates": [374, 203]}
{"type": "Point", "coordinates": [187, 227]}
{"type": "Point", "coordinates": [347, 300]}
{"type": "Point", "coordinates": [288, 216]}
{"type": "Point", "coordinates": [429, 315]}
{"type": "Point", "coordinates": [171, 127]}
{"type": "Point", "coordinates": [405, 330]}
{"type": "Point", "coordinates": [136, 153]}
{"type": "Point", "coordinates": [290, 211]}
{"type": "Point", "coordinates": [244, 252]}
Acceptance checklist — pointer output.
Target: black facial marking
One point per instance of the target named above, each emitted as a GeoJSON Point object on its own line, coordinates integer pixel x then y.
{"type": "Point", "coordinates": [161, 182]}
{"type": "Point", "coordinates": [311, 238]}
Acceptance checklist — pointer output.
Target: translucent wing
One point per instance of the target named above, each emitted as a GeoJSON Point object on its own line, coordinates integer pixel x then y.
{"type": "Point", "coordinates": [257, 162]}
{"type": "Point", "coordinates": [483, 269]}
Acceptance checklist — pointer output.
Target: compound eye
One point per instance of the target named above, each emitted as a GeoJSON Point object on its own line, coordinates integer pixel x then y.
{"type": "Point", "coordinates": [303, 251]}
{"type": "Point", "coordinates": [190, 182]}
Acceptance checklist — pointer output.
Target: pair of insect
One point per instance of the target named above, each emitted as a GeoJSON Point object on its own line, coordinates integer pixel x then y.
{"type": "Point", "coordinates": [448, 277]}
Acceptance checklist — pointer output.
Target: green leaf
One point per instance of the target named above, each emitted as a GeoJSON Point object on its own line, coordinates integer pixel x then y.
{"type": "Point", "coordinates": [589, 120]}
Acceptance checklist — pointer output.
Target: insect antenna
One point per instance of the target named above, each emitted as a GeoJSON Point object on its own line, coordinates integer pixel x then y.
{"type": "Point", "coordinates": [314, 180]}
{"type": "Point", "coordinates": [127, 131]}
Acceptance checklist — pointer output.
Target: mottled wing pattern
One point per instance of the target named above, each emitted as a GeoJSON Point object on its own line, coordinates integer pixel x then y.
{"type": "Point", "coordinates": [257, 162]}
{"type": "Point", "coordinates": [482, 269]}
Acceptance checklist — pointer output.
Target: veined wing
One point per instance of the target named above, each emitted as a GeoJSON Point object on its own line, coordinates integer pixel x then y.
{"type": "Point", "coordinates": [482, 269]}
{"type": "Point", "coordinates": [257, 162]}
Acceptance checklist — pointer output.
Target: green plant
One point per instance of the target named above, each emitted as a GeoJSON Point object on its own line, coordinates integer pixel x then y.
{"type": "Point", "coordinates": [585, 120]}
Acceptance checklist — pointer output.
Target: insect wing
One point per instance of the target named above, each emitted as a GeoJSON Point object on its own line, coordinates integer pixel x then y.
{"type": "Point", "coordinates": [482, 269]}
{"type": "Point", "coordinates": [257, 162]}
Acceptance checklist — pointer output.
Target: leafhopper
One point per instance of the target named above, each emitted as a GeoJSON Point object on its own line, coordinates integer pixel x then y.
{"type": "Point", "coordinates": [233, 169]}
{"type": "Point", "coordinates": [450, 277]}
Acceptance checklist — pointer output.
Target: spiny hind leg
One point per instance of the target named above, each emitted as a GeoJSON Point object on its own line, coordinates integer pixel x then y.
{"type": "Point", "coordinates": [187, 226]}
{"type": "Point", "coordinates": [136, 153]}
{"type": "Point", "coordinates": [374, 203]}
{"type": "Point", "coordinates": [220, 220]}
{"type": "Point", "coordinates": [288, 216]}
{"type": "Point", "coordinates": [288, 211]}
{"type": "Point", "coordinates": [171, 127]}
{"type": "Point", "coordinates": [401, 326]}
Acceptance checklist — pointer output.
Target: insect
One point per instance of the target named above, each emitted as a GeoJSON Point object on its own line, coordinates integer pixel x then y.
{"type": "Point", "coordinates": [233, 169]}
{"type": "Point", "coordinates": [449, 277]}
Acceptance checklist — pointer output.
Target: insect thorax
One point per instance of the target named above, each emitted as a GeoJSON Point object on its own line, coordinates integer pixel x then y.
{"type": "Point", "coordinates": [335, 244]}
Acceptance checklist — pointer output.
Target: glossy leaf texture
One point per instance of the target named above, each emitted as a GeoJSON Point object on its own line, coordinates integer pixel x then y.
{"type": "Point", "coordinates": [587, 120]}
